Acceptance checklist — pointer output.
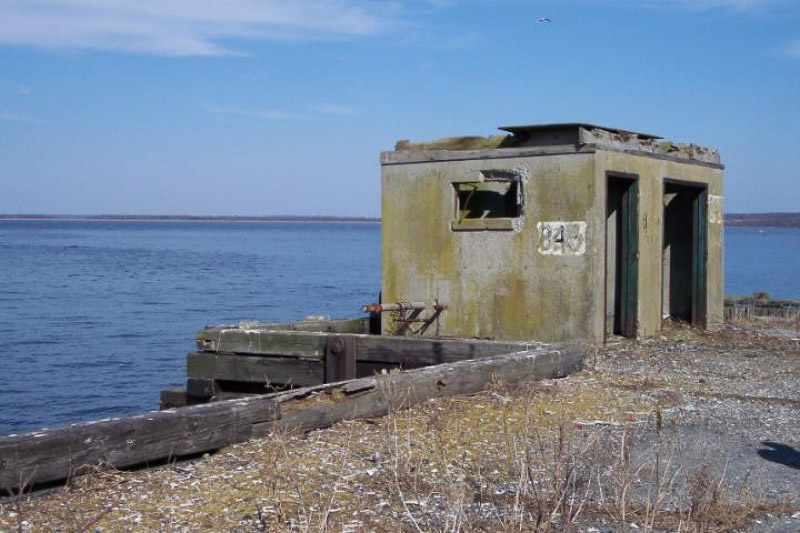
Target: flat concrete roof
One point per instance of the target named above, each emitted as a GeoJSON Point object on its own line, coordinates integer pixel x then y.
{"type": "Point", "coordinates": [543, 128]}
{"type": "Point", "coordinates": [550, 139]}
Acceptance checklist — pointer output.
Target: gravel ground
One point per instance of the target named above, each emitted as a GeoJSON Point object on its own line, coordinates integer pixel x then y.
{"type": "Point", "coordinates": [691, 431]}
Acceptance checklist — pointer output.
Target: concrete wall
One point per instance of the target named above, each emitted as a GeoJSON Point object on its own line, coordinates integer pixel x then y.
{"type": "Point", "coordinates": [496, 282]}
{"type": "Point", "coordinates": [499, 284]}
{"type": "Point", "coordinates": [652, 172]}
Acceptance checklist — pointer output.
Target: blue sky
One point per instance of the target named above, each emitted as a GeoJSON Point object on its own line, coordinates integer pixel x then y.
{"type": "Point", "coordinates": [249, 107]}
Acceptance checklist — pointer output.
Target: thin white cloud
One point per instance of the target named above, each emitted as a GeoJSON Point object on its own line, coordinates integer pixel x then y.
{"type": "Point", "coordinates": [440, 4]}
{"type": "Point", "coordinates": [185, 27]}
{"type": "Point", "coordinates": [6, 116]}
{"type": "Point", "coordinates": [269, 114]}
{"type": "Point", "coordinates": [793, 50]}
{"type": "Point", "coordinates": [22, 90]}
{"type": "Point", "coordinates": [274, 114]}
{"type": "Point", "coordinates": [331, 109]}
{"type": "Point", "coordinates": [705, 5]}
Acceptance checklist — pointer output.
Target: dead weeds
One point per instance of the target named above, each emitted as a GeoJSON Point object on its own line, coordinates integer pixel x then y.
{"type": "Point", "coordinates": [615, 447]}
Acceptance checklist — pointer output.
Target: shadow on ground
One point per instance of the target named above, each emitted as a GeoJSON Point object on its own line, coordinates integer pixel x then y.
{"type": "Point", "coordinates": [781, 454]}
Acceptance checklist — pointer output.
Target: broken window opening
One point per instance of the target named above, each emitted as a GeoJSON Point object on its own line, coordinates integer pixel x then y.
{"type": "Point", "coordinates": [497, 196]}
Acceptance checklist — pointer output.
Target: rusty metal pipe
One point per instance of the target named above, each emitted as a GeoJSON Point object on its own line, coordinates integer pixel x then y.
{"type": "Point", "coordinates": [402, 306]}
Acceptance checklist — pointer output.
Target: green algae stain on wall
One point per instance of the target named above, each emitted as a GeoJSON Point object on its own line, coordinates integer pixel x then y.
{"type": "Point", "coordinates": [494, 272]}
{"type": "Point", "coordinates": [496, 283]}
{"type": "Point", "coordinates": [417, 254]}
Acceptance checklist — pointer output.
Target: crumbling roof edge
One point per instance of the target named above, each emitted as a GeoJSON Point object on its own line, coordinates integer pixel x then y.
{"type": "Point", "coordinates": [529, 128]}
{"type": "Point", "coordinates": [435, 156]}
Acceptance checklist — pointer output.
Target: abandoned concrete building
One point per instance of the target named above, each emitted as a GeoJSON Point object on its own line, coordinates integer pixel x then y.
{"type": "Point", "coordinates": [559, 232]}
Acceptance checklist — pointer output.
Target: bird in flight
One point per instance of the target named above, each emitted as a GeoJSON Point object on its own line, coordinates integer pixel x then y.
{"type": "Point", "coordinates": [543, 20]}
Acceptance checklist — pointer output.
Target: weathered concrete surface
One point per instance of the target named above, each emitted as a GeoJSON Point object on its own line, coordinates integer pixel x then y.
{"type": "Point", "coordinates": [501, 277]}
{"type": "Point", "coordinates": [651, 173]}
{"type": "Point", "coordinates": [496, 283]}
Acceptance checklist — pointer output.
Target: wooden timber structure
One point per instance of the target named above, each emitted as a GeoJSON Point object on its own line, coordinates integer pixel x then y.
{"type": "Point", "coordinates": [256, 358]}
{"type": "Point", "coordinates": [249, 379]}
{"type": "Point", "coordinates": [760, 304]}
{"type": "Point", "coordinates": [457, 367]}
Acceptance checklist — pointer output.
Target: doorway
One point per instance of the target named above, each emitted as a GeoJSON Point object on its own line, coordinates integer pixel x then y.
{"type": "Point", "coordinates": [684, 252]}
{"type": "Point", "coordinates": [622, 254]}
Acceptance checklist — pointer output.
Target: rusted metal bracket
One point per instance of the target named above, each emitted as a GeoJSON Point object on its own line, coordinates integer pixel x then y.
{"type": "Point", "coordinates": [407, 313]}
{"type": "Point", "coordinates": [402, 306]}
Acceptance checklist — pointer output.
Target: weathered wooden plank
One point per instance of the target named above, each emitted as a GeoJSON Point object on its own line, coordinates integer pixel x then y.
{"type": "Point", "coordinates": [49, 455]}
{"type": "Point", "coordinates": [255, 369]}
{"type": "Point", "coordinates": [173, 398]}
{"type": "Point", "coordinates": [375, 396]}
{"type": "Point", "coordinates": [413, 352]}
{"type": "Point", "coordinates": [254, 341]}
{"type": "Point", "coordinates": [406, 350]}
{"type": "Point", "coordinates": [255, 337]}
{"type": "Point", "coordinates": [340, 358]}
{"type": "Point", "coordinates": [354, 325]}
{"type": "Point", "coordinates": [201, 388]}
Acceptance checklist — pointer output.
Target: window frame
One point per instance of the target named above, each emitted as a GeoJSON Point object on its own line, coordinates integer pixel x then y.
{"type": "Point", "coordinates": [487, 223]}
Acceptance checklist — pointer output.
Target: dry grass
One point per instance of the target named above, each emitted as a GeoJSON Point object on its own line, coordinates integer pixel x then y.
{"type": "Point", "coordinates": [601, 448]}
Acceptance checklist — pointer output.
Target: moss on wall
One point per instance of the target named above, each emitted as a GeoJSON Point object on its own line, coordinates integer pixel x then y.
{"type": "Point", "coordinates": [496, 282]}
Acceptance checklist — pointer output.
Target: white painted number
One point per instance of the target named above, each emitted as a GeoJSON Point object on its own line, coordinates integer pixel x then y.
{"type": "Point", "coordinates": [562, 238]}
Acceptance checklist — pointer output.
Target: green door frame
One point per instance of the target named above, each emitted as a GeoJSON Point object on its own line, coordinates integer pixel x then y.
{"type": "Point", "coordinates": [630, 259]}
{"type": "Point", "coordinates": [699, 248]}
{"type": "Point", "coordinates": [699, 257]}
{"type": "Point", "coordinates": [629, 267]}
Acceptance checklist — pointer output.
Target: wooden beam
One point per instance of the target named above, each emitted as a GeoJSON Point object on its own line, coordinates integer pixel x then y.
{"type": "Point", "coordinates": [319, 407]}
{"type": "Point", "coordinates": [354, 325]}
{"type": "Point", "coordinates": [255, 369]}
{"type": "Point", "coordinates": [51, 455]}
{"type": "Point", "coordinates": [254, 341]}
{"type": "Point", "coordinates": [279, 338]}
{"type": "Point", "coordinates": [173, 398]}
{"type": "Point", "coordinates": [411, 352]}
{"type": "Point", "coordinates": [201, 388]}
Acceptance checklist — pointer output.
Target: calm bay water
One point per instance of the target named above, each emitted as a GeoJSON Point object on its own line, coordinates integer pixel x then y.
{"type": "Point", "coordinates": [765, 259]}
{"type": "Point", "coordinates": [97, 317]}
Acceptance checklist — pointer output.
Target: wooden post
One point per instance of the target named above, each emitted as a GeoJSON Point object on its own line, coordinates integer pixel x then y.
{"type": "Point", "coordinates": [340, 358]}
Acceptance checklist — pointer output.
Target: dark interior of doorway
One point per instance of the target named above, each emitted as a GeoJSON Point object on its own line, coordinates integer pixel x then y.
{"type": "Point", "coordinates": [684, 253]}
{"type": "Point", "coordinates": [622, 254]}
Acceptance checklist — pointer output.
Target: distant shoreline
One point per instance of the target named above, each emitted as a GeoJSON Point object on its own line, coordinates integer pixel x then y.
{"type": "Point", "coordinates": [731, 219]}
{"type": "Point", "coordinates": [774, 220]}
{"type": "Point", "coordinates": [189, 218]}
